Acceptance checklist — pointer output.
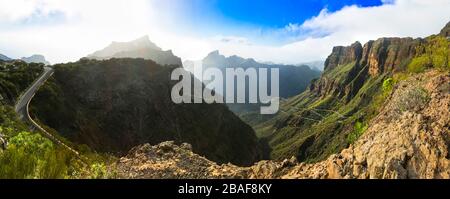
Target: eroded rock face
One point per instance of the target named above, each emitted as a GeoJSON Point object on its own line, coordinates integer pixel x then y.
{"type": "Point", "coordinates": [387, 54]}
{"type": "Point", "coordinates": [410, 138]}
{"type": "Point", "coordinates": [347, 68]}
{"type": "Point", "coordinates": [342, 55]}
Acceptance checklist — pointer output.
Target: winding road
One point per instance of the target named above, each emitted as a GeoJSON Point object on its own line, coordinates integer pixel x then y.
{"type": "Point", "coordinates": [23, 103]}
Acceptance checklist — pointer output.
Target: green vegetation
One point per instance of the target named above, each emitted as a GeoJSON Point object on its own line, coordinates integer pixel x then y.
{"type": "Point", "coordinates": [28, 154]}
{"type": "Point", "coordinates": [416, 97]}
{"type": "Point", "coordinates": [388, 84]}
{"type": "Point", "coordinates": [433, 53]}
{"type": "Point", "coordinates": [358, 130]}
{"type": "Point", "coordinates": [15, 77]}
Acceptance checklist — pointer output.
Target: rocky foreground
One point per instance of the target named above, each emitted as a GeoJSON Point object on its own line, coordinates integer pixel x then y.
{"type": "Point", "coordinates": [410, 138]}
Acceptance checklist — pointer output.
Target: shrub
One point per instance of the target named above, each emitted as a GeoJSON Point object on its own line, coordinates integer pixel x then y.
{"type": "Point", "coordinates": [358, 130]}
{"type": "Point", "coordinates": [99, 171]}
{"type": "Point", "coordinates": [29, 155]}
{"type": "Point", "coordinates": [436, 54]}
{"type": "Point", "coordinates": [419, 64]}
{"type": "Point", "coordinates": [388, 84]}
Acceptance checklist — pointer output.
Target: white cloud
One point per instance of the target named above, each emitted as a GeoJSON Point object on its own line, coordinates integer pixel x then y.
{"type": "Point", "coordinates": [402, 18]}
{"type": "Point", "coordinates": [86, 26]}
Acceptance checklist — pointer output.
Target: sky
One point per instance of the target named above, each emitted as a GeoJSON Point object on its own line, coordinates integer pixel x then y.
{"type": "Point", "coordinates": [280, 31]}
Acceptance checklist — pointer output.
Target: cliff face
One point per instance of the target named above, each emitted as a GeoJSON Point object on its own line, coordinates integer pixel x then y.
{"type": "Point", "coordinates": [116, 104]}
{"type": "Point", "coordinates": [409, 138]}
{"type": "Point", "coordinates": [337, 107]}
{"type": "Point", "coordinates": [359, 63]}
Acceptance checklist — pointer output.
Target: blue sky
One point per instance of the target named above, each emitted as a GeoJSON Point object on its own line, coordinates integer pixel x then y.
{"type": "Point", "coordinates": [278, 13]}
{"type": "Point", "coordinates": [257, 19]}
{"type": "Point", "coordinates": [281, 31]}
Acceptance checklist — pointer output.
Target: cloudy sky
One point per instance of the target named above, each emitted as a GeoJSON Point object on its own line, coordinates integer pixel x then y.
{"type": "Point", "coordinates": [282, 31]}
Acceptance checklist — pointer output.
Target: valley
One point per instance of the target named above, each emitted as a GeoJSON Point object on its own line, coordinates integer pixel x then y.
{"type": "Point", "coordinates": [378, 110]}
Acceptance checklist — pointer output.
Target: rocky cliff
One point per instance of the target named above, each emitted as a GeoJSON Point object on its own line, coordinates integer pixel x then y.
{"type": "Point", "coordinates": [409, 138]}
{"type": "Point", "coordinates": [336, 109]}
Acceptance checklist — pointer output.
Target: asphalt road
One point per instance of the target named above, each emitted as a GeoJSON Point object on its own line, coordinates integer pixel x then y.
{"type": "Point", "coordinates": [25, 98]}
{"type": "Point", "coordinates": [22, 104]}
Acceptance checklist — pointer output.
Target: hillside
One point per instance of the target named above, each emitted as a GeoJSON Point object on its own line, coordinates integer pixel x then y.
{"type": "Point", "coordinates": [337, 107]}
{"type": "Point", "coordinates": [409, 138]}
{"type": "Point", "coordinates": [114, 105]}
{"type": "Point", "coordinates": [138, 48]}
{"type": "Point", "coordinates": [24, 153]}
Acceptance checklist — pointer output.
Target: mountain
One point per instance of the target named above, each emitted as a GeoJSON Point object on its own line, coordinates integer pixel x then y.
{"type": "Point", "coordinates": [139, 48]}
{"type": "Point", "coordinates": [293, 79]}
{"type": "Point", "coordinates": [338, 107]}
{"type": "Point", "coordinates": [379, 110]}
{"type": "Point", "coordinates": [113, 105]}
{"type": "Point", "coordinates": [409, 142]}
{"type": "Point", "coordinates": [4, 58]}
{"type": "Point", "coordinates": [35, 59]}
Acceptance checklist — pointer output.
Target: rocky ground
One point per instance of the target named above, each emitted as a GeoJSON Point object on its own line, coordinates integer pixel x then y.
{"type": "Point", "coordinates": [410, 138]}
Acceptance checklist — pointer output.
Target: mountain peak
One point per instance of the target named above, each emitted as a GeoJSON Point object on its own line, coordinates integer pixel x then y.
{"type": "Point", "coordinates": [139, 48]}
{"type": "Point", "coordinates": [36, 58]}
{"type": "Point", "coordinates": [214, 53]}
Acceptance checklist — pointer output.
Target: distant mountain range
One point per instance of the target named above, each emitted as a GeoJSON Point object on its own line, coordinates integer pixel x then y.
{"type": "Point", "coordinates": [293, 79]}
{"type": "Point", "coordinates": [35, 59]}
{"type": "Point", "coordinates": [316, 65]}
{"type": "Point", "coordinates": [4, 57]}
{"type": "Point", "coordinates": [32, 59]}
{"type": "Point", "coordinates": [139, 48]}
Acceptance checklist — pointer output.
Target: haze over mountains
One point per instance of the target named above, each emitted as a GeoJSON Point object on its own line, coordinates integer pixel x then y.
{"type": "Point", "coordinates": [139, 48]}
{"type": "Point", "coordinates": [293, 79]}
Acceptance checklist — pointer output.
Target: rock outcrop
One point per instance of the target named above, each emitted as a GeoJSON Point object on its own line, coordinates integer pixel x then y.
{"type": "Point", "coordinates": [409, 138]}
{"type": "Point", "coordinates": [347, 68]}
